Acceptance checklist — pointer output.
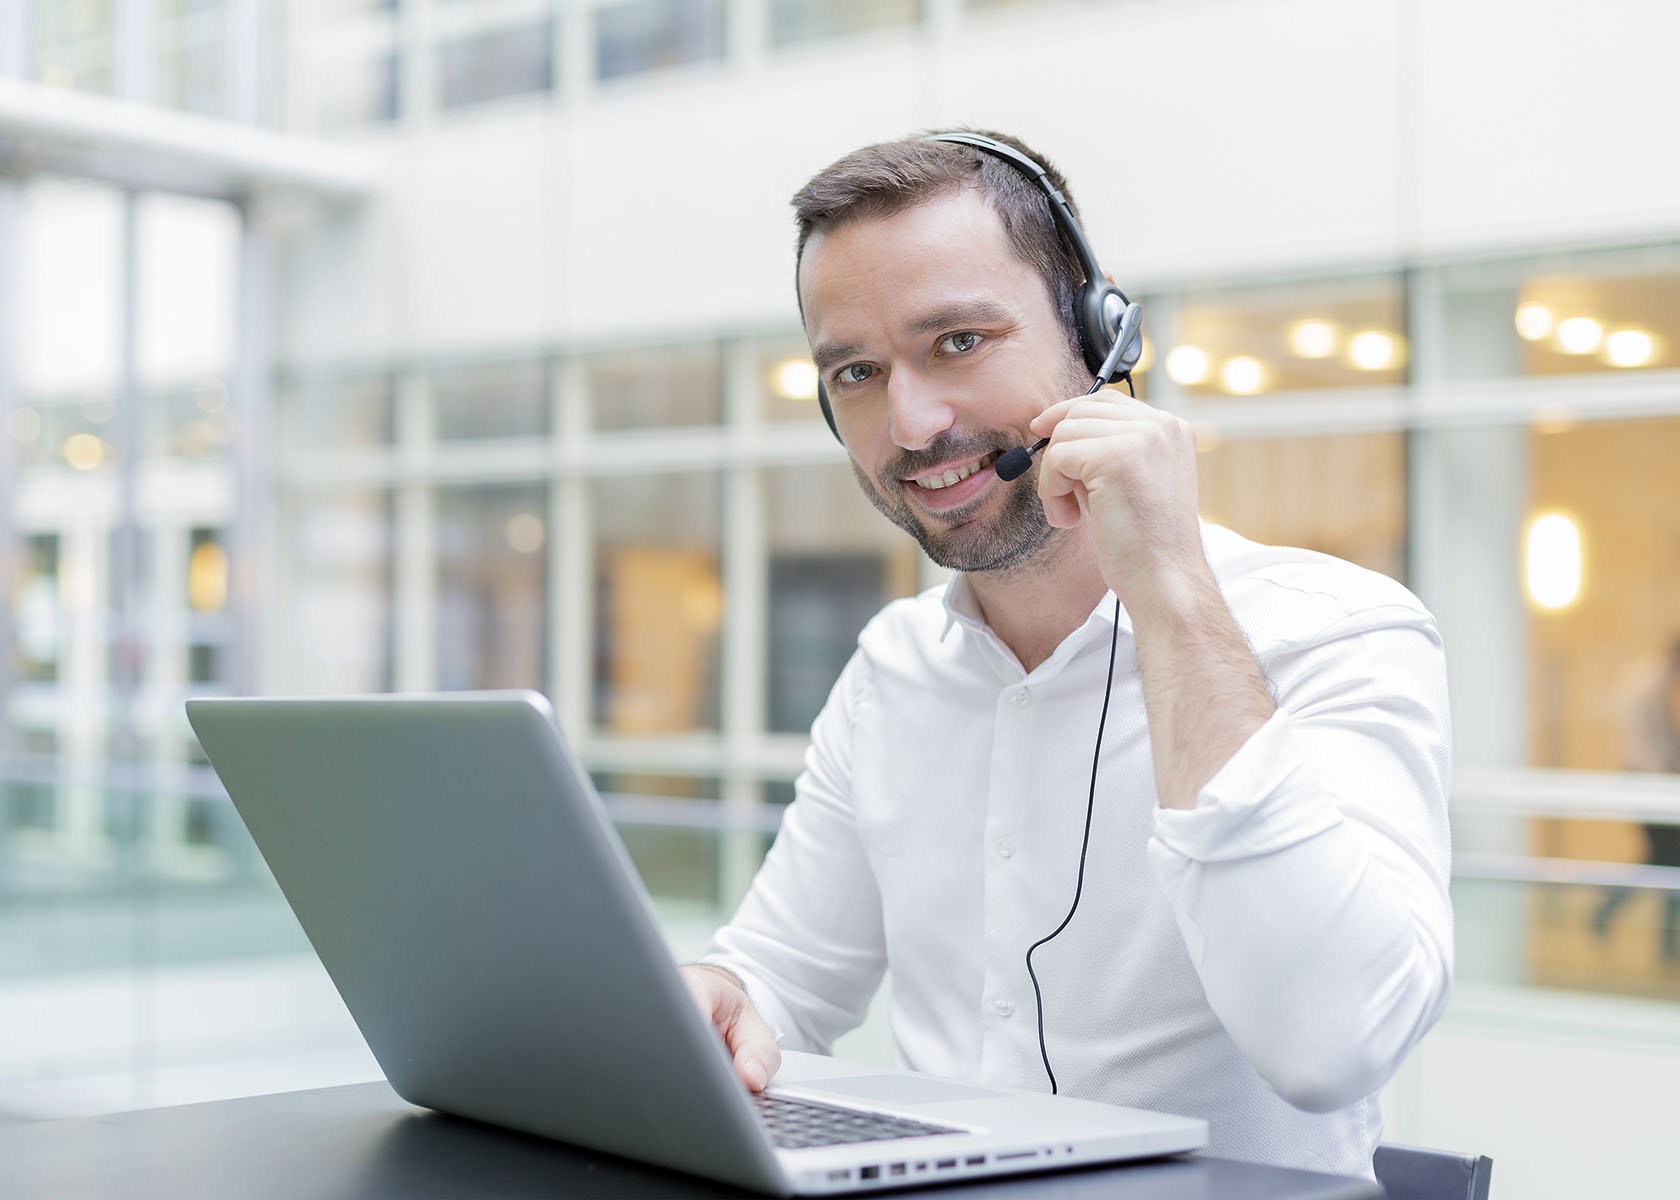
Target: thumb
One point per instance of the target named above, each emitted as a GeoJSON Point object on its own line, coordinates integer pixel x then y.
{"type": "Point", "coordinates": [753, 1047]}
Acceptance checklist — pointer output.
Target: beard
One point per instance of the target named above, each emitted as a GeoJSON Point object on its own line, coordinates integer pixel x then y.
{"type": "Point", "coordinates": [1013, 537]}
{"type": "Point", "coordinates": [1010, 538]}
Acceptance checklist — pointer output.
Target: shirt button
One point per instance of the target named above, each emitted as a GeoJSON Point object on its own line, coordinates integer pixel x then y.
{"type": "Point", "coordinates": [1005, 1007]}
{"type": "Point", "coordinates": [1005, 847]}
{"type": "Point", "coordinates": [1021, 697]}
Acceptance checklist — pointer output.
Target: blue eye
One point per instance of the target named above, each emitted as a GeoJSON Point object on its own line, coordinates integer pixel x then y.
{"type": "Point", "coordinates": [961, 343]}
{"type": "Point", "coordinates": [855, 372]}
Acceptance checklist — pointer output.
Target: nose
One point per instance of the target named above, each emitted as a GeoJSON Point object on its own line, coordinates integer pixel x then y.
{"type": "Point", "coordinates": [916, 411]}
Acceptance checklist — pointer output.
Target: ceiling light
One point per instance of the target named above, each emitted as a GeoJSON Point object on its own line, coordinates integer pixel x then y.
{"type": "Point", "coordinates": [25, 424]}
{"type": "Point", "coordinates": [84, 451]}
{"type": "Point", "coordinates": [1312, 338]}
{"type": "Point", "coordinates": [1243, 375]}
{"type": "Point", "coordinates": [1374, 350]}
{"type": "Point", "coordinates": [1187, 365]}
{"type": "Point", "coordinates": [207, 578]}
{"type": "Point", "coordinates": [1554, 561]}
{"type": "Point", "coordinates": [1534, 321]}
{"type": "Point", "coordinates": [524, 533]}
{"type": "Point", "coordinates": [1629, 348]}
{"type": "Point", "coordinates": [796, 379]}
{"type": "Point", "coordinates": [1579, 335]}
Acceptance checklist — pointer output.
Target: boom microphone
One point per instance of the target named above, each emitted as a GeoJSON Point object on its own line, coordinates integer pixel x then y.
{"type": "Point", "coordinates": [1012, 464]}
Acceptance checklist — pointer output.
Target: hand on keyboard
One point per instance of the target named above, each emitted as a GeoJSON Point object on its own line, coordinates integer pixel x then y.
{"type": "Point", "coordinates": [724, 1002]}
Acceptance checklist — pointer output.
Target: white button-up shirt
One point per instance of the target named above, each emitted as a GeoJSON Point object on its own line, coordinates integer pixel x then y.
{"type": "Point", "coordinates": [1264, 960]}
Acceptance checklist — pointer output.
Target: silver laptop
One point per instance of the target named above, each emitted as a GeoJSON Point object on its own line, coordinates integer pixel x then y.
{"type": "Point", "coordinates": [460, 880]}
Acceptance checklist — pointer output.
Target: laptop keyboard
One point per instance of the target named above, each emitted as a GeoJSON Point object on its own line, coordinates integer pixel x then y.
{"type": "Point", "coordinates": [795, 1124]}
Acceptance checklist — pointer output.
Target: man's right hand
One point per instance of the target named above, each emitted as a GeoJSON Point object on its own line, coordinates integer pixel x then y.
{"type": "Point", "coordinates": [724, 1002]}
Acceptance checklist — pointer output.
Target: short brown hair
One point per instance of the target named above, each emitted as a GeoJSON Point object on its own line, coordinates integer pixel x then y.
{"type": "Point", "coordinates": [888, 177]}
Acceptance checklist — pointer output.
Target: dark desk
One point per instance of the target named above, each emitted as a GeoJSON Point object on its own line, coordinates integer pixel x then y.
{"type": "Point", "coordinates": [362, 1141]}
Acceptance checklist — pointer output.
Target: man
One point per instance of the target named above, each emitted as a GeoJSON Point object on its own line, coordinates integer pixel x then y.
{"type": "Point", "coordinates": [1260, 927]}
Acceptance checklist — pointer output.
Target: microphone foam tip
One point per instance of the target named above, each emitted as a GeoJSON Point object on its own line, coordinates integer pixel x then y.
{"type": "Point", "coordinates": [1012, 464]}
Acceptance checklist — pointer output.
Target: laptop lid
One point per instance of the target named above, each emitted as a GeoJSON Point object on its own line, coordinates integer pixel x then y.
{"type": "Point", "coordinates": [458, 878]}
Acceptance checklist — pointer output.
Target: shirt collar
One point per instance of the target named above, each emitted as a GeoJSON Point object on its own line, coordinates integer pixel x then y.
{"type": "Point", "coordinates": [961, 607]}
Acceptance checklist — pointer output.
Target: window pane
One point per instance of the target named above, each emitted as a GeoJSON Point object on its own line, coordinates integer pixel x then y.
{"type": "Point", "coordinates": [208, 625]}
{"type": "Point", "coordinates": [1602, 578]}
{"type": "Point", "coordinates": [658, 602]}
{"type": "Point", "coordinates": [336, 614]}
{"type": "Point", "coordinates": [75, 431]}
{"type": "Point", "coordinates": [680, 385]}
{"type": "Point", "coordinates": [71, 288]}
{"type": "Point", "coordinates": [834, 561]}
{"type": "Point", "coordinates": [787, 380]}
{"type": "Point", "coordinates": [38, 617]}
{"type": "Point", "coordinates": [1338, 333]}
{"type": "Point", "coordinates": [192, 55]}
{"type": "Point", "coordinates": [358, 92]}
{"type": "Point", "coordinates": [1611, 311]}
{"type": "Point", "coordinates": [648, 35]}
{"type": "Point", "coordinates": [495, 65]}
{"type": "Point", "coordinates": [492, 607]}
{"type": "Point", "coordinates": [74, 43]}
{"type": "Point", "coordinates": [1343, 495]}
{"type": "Point", "coordinates": [501, 400]}
{"type": "Point", "coordinates": [680, 866]}
{"type": "Point", "coordinates": [320, 414]}
{"type": "Point", "coordinates": [793, 21]}
{"type": "Point", "coordinates": [188, 259]}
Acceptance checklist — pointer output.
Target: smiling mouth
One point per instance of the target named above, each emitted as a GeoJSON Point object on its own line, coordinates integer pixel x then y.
{"type": "Point", "coordinates": [955, 475]}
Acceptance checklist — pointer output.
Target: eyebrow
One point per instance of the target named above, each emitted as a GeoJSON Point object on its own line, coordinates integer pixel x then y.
{"type": "Point", "coordinates": [950, 316]}
{"type": "Point", "coordinates": [961, 313]}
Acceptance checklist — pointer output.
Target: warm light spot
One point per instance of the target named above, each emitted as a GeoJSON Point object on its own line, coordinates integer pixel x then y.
{"type": "Point", "coordinates": [25, 424]}
{"type": "Point", "coordinates": [1312, 338]}
{"type": "Point", "coordinates": [1187, 365]}
{"type": "Point", "coordinates": [1374, 350]}
{"type": "Point", "coordinates": [1534, 321]}
{"type": "Point", "coordinates": [207, 577]}
{"type": "Point", "coordinates": [796, 379]}
{"type": "Point", "coordinates": [1242, 375]}
{"type": "Point", "coordinates": [1579, 335]}
{"type": "Point", "coordinates": [1553, 566]}
{"type": "Point", "coordinates": [1629, 348]}
{"type": "Point", "coordinates": [1146, 356]}
{"type": "Point", "coordinates": [525, 533]}
{"type": "Point", "coordinates": [1554, 418]}
{"type": "Point", "coordinates": [84, 451]}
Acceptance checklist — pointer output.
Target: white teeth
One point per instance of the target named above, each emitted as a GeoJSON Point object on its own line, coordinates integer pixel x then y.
{"type": "Point", "coordinates": [955, 475]}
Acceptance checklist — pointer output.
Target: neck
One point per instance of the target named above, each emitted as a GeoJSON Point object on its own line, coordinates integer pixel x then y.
{"type": "Point", "coordinates": [1033, 607]}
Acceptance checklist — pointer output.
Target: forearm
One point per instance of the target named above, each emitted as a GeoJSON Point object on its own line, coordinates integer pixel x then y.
{"type": "Point", "coordinates": [1203, 692]}
{"type": "Point", "coordinates": [1326, 959]}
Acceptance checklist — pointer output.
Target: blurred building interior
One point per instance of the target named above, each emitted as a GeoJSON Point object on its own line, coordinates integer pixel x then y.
{"type": "Point", "coordinates": [365, 345]}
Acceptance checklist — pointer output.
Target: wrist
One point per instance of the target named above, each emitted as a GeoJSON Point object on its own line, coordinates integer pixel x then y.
{"type": "Point", "coordinates": [1172, 594]}
{"type": "Point", "coordinates": [724, 972]}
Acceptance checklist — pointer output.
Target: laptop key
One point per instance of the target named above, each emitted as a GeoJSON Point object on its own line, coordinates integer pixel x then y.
{"type": "Point", "coordinates": [797, 1124]}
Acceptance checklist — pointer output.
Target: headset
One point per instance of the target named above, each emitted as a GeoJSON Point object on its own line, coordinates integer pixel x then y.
{"type": "Point", "coordinates": [1110, 325]}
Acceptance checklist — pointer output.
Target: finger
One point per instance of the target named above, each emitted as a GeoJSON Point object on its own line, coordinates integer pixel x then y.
{"type": "Point", "coordinates": [1059, 492]}
{"type": "Point", "coordinates": [1106, 401]}
{"type": "Point", "coordinates": [753, 1048]}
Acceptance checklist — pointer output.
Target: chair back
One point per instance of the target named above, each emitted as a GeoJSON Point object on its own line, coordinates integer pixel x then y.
{"type": "Point", "coordinates": [1412, 1173]}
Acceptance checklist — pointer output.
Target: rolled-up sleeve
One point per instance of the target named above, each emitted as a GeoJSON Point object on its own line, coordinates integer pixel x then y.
{"type": "Point", "coordinates": [807, 940]}
{"type": "Point", "coordinates": [1310, 881]}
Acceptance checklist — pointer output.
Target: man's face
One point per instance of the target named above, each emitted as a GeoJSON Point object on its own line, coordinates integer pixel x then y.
{"type": "Point", "coordinates": [938, 345]}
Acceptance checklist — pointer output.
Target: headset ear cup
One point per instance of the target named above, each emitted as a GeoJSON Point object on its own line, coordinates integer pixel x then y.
{"type": "Point", "coordinates": [1130, 336]}
{"type": "Point", "coordinates": [1101, 308]}
{"type": "Point", "coordinates": [827, 412]}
